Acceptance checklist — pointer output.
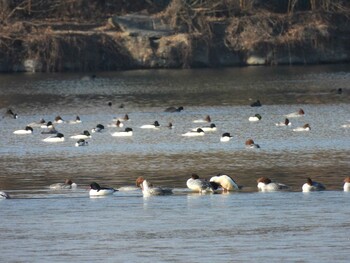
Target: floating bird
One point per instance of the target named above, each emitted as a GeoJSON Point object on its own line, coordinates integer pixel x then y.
{"type": "Point", "coordinates": [312, 186]}
{"type": "Point", "coordinates": [201, 185]}
{"type": "Point", "coordinates": [198, 132]}
{"type": "Point", "coordinates": [81, 142]}
{"type": "Point", "coordinates": [306, 127]}
{"type": "Point", "coordinates": [256, 117]}
{"type": "Point", "coordinates": [10, 113]}
{"type": "Point", "coordinates": [285, 123]}
{"type": "Point", "coordinates": [266, 185]}
{"type": "Point", "coordinates": [4, 195]}
{"type": "Point", "coordinates": [225, 181]}
{"type": "Point", "coordinates": [251, 144]}
{"type": "Point", "coordinates": [211, 127]}
{"type": "Point", "coordinates": [39, 123]}
{"type": "Point", "coordinates": [173, 109]}
{"type": "Point", "coordinates": [58, 119]}
{"type": "Point", "coordinates": [206, 119]}
{"type": "Point", "coordinates": [47, 125]}
{"type": "Point", "coordinates": [97, 190]}
{"type": "Point", "coordinates": [59, 137]}
{"type": "Point", "coordinates": [85, 135]}
{"type": "Point", "coordinates": [118, 124]}
{"type": "Point", "coordinates": [27, 130]}
{"type": "Point", "coordinates": [347, 184]}
{"type": "Point", "coordinates": [127, 132]}
{"type": "Point", "coordinates": [149, 190]}
{"type": "Point", "coordinates": [256, 104]}
{"type": "Point", "coordinates": [125, 118]}
{"type": "Point", "coordinates": [77, 120]}
{"type": "Point", "coordinates": [299, 113]}
{"type": "Point", "coordinates": [98, 128]}
{"type": "Point", "coordinates": [155, 125]}
{"type": "Point", "coordinates": [225, 137]}
{"type": "Point", "coordinates": [68, 184]}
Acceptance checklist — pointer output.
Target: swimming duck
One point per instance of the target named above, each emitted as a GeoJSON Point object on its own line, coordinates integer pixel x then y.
{"type": "Point", "coordinates": [4, 195]}
{"type": "Point", "coordinates": [347, 184]}
{"type": "Point", "coordinates": [52, 130]}
{"type": "Point", "coordinates": [225, 181]}
{"type": "Point", "coordinates": [256, 117]}
{"type": "Point", "coordinates": [85, 135]}
{"type": "Point", "coordinates": [47, 125]}
{"type": "Point", "coordinates": [285, 123]}
{"type": "Point", "coordinates": [206, 119]}
{"type": "Point", "coordinates": [77, 120]}
{"type": "Point", "coordinates": [39, 123]}
{"type": "Point", "coordinates": [125, 118]}
{"type": "Point", "coordinates": [173, 109]}
{"type": "Point", "coordinates": [155, 125]}
{"type": "Point", "coordinates": [312, 186]}
{"type": "Point", "coordinates": [170, 125]}
{"type": "Point", "coordinates": [81, 142]}
{"type": "Point", "coordinates": [149, 190]}
{"type": "Point", "coordinates": [58, 119]}
{"type": "Point", "coordinates": [68, 184]}
{"type": "Point", "coordinates": [251, 144]}
{"type": "Point", "coordinates": [27, 130]}
{"type": "Point", "coordinates": [198, 132]}
{"type": "Point", "coordinates": [299, 113]}
{"type": "Point", "coordinates": [256, 104]}
{"type": "Point", "coordinates": [266, 185]}
{"type": "Point", "coordinates": [118, 124]}
{"type": "Point", "coordinates": [211, 127]}
{"type": "Point", "coordinates": [346, 125]}
{"type": "Point", "coordinates": [201, 185]}
{"type": "Point", "coordinates": [10, 113]}
{"type": "Point", "coordinates": [59, 137]}
{"type": "Point", "coordinates": [97, 190]}
{"type": "Point", "coordinates": [225, 137]}
{"type": "Point", "coordinates": [98, 128]}
{"type": "Point", "coordinates": [306, 127]}
{"type": "Point", "coordinates": [127, 132]}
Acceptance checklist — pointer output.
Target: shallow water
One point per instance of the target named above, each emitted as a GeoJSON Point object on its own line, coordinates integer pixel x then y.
{"type": "Point", "coordinates": [45, 225]}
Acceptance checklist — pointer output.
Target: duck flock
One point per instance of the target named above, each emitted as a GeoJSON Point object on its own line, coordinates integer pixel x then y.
{"type": "Point", "coordinates": [216, 184]}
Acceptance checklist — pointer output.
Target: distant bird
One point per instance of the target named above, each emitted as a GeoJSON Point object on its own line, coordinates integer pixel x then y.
{"type": "Point", "coordinates": [170, 125]}
{"type": "Point", "coordinates": [126, 133]}
{"type": "Point", "coordinates": [312, 186]}
{"type": "Point", "coordinates": [149, 190]}
{"type": "Point", "coordinates": [51, 130]}
{"type": "Point", "coordinates": [68, 184]}
{"type": "Point", "coordinates": [225, 137]}
{"type": "Point", "coordinates": [125, 118]}
{"type": "Point", "coordinates": [118, 124]}
{"type": "Point", "coordinates": [97, 190]}
{"type": "Point", "coordinates": [11, 114]}
{"type": "Point", "coordinates": [285, 123]}
{"type": "Point", "coordinates": [198, 132]}
{"type": "Point", "coordinates": [4, 195]}
{"type": "Point", "coordinates": [84, 135]}
{"type": "Point", "coordinates": [47, 125]}
{"type": "Point", "coordinates": [256, 104]}
{"type": "Point", "coordinates": [306, 127]}
{"type": "Point", "coordinates": [77, 120]}
{"type": "Point", "coordinates": [109, 104]}
{"type": "Point", "coordinates": [59, 137]}
{"type": "Point", "coordinates": [206, 119]}
{"type": "Point", "coordinates": [58, 119]}
{"type": "Point", "coordinates": [98, 128]}
{"type": "Point", "coordinates": [211, 127]}
{"type": "Point", "coordinates": [347, 184]}
{"type": "Point", "coordinates": [81, 142]}
{"type": "Point", "coordinates": [37, 123]}
{"type": "Point", "coordinates": [298, 113]}
{"type": "Point", "coordinates": [154, 125]}
{"type": "Point", "coordinates": [225, 181]}
{"type": "Point", "coordinates": [251, 144]}
{"type": "Point", "coordinates": [266, 185]}
{"type": "Point", "coordinates": [256, 117]}
{"type": "Point", "coordinates": [197, 184]}
{"type": "Point", "coordinates": [173, 109]}
{"type": "Point", "coordinates": [27, 130]}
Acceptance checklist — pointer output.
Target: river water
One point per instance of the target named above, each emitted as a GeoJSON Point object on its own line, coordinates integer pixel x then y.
{"type": "Point", "coordinates": [43, 225]}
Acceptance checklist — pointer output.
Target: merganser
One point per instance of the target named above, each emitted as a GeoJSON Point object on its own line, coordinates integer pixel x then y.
{"type": "Point", "coordinates": [81, 142]}
{"type": "Point", "coordinates": [10, 113]}
{"type": "Point", "coordinates": [97, 190]}
{"type": "Point", "coordinates": [266, 185]}
{"type": "Point", "coordinates": [201, 185]}
{"type": "Point", "coordinates": [312, 186]}
{"type": "Point", "coordinates": [212, 127]}
{"type": "Point", "coordinates": [251, 144]}
{"type": "Point", "coordinates": [347, 184]}
{"type": "Point", "coordinates": [98, 128]}
{"type": "Point", "coordinates": [58, 119]}
{"type": "Point", "coordinates": [59, 137]}
{"type": "Point", "coordinates": [155, 125]}
{"type": "Point", "coordinates": [127, 132]}
{"type": "Point", "coordinates": [225, 137]}
{"type": "Point", "coordinates": [4, 195]}
{"type": "Point", "coordinates": [85, 135]}
{"type": "Point", "coordinates": [285, 123]}
{"type": "Point", "coordinates": [149, 190]}
{"type": "Point", "coordinates": [225, 181]}
{"type": "Point", "coordinates": [198, 132]}
{"type": "Point", "coordinates": [27, 130]}
{"type": "Point", "coordinates": [68, 184]}
{"type": "Point", "coordinates": [299, 113]}
{"type": "Point", "coordinates": [173, 109]}
{"type": "Point", "coordinates": [256, 117]}
{"type": "Point", "coordinates": [207, 119]}
{"type": "Point", "coordinates": [256, 104]}
{"type": "Point", "coordinates": [306, 127]}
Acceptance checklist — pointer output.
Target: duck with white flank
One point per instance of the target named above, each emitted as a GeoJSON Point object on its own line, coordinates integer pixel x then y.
{"type": "Point", "coordinates": [226, 182]}
{"type": "Point", "coordinates": [98, 128]}
{"type": "Point", "coordinates": [81, 142]}
{"type": "Point", "coordinates": [118, 124]}
{"type": "Point", "coordinates": [211, 127]}
{"type": "Point", "coordinates": [126, 133]}
{"type": "Point", "coordinates": [251, 144]}
{"type": "Point", "coordinates": [197, 184]}
{"type": "Point", "coordinates": [59, 137]}
{"type": "Point", "coordinates": [125, 118]}
{"type": "Point", "coordinates": [4, 195]}
{"type": "Point", "coordinates": [256, 117]}
{"type": "Point", "coordinates": [198, 132]}
{"type": "Point", "coordinates": [76, 121]}
{"type": "Point", "coordinates": [11, 114]}
{"type": "Point", "coordinates": [84, 135]}
{"type": "Point", "coordinates": [296, 114]}
{"type": "Point", "coordinates": [149, 190]}
{"type": "Point", "coordinates": [225, 137]}
{"type": "Point", "coordinates": [97, 190]}
{"type": "Point", "coordinates": [68, 184]}
{"type": "Point", "coordinates": [266, 185]}
{"type": "Point", "coordinates": [173, 109]}
{"type": "Point", "coordinates": [206, 119]}
{"type": "Point", "coordinates": [154, 125]}
{"type": "Point", "coordinates": [312, 186]}
{"type": "Point", "coordinates": [58, 119]}
{"type": "Point", "coordinates": [37, 123]}
{"type": "Point", "coordinates": [347, 184]}
{"type": "Point", "coordinates": [306, 127]}
{"type": "Point", "coordinates": [47, 125]}
{"type": "Point", "coordinates": [285, 123]}
{"type": "Point", "coordinates": [27, 130]}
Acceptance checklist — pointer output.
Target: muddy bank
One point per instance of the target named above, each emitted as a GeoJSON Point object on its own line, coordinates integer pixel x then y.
{"type": "Point", "coordinates": [143, 41]}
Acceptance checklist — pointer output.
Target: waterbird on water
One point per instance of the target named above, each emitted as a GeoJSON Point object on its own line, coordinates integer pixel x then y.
{"type": "Point", "coordinates": [97, 190]}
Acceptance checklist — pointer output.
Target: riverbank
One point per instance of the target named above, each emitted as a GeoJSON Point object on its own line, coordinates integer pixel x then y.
{"type": "Point", "coordinates": [146, 40]}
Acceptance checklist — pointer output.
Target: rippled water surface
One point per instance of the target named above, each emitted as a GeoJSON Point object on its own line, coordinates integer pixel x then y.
{"type": "Point", "coordinates": [40, 224]}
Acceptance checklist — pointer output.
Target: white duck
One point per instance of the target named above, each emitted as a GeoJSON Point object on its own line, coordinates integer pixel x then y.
{"type": "Point", "coordinates": [312, 186]}
{"type": "Point", "coordinates": [97, 190]}
{"type": "Point", "coordinates": [225, 181]}
{"type": "Point", "coordinates": [197, 184]}
{"type": "Point", "coordinates": [266, 185]}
